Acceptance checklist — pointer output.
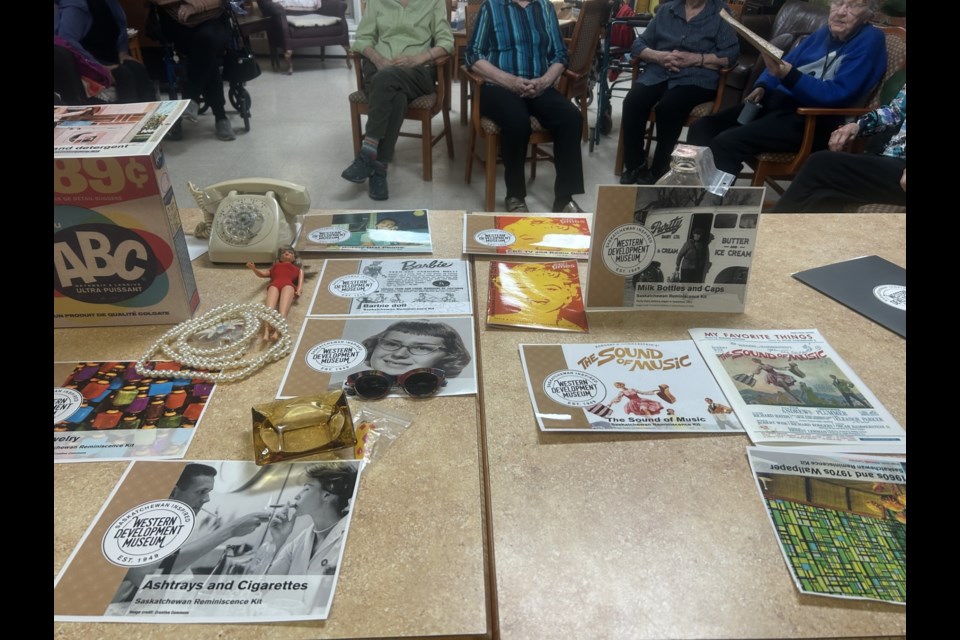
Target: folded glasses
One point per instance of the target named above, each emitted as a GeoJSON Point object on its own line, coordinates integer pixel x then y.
{"type": "Point", "coordinates": [416, 383]}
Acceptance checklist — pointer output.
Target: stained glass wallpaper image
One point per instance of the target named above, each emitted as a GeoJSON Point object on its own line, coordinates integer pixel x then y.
{"type": "Point", "coordinates": [841, 538]}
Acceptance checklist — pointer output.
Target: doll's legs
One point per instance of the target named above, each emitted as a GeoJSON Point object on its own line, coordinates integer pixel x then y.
{"type": "Point", "coordinates": [273, 296]}
{"type": "Point", "coordinates": [286, 301]}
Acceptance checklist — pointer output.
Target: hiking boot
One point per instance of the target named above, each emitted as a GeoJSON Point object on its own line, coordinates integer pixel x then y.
{"type": "Point", "coordinates": [359, 170]}
{"type": "Point", "coordinates": [377, 187]}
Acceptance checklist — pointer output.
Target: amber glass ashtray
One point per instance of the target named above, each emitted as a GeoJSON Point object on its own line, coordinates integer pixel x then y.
{"type": "Point", "coordinates": [302, 426]}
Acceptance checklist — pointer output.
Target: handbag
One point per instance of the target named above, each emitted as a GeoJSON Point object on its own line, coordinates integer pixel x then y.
{"type": "Point", "coordinates": [239, 65]}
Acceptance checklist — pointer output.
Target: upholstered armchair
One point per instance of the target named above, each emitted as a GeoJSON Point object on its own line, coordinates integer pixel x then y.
{"type": "Point", "coordinates": [297, 28]}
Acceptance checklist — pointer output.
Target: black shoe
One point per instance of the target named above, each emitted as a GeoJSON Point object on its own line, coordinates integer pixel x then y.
{"type": "Point", "coordinates": [566, 207]}
{"type": "Point", "coordinates": [638, 175]}
{"type": "Point", "coordinates": [377, 187]}
{"type": "Point", "coordinates": [516, 205]}
{"type": "Point", "coordinates": [359, 170]}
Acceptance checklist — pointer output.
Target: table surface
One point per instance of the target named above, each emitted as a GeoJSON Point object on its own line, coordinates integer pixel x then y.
{"type": "Point", "coordinates": [593, 535]}
{"type": "Point", "coordinates": [414, 563]}
{"type": "Point", "coordinates": [663, 535]}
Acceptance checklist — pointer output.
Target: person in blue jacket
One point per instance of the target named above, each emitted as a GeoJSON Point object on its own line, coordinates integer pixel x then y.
{"type": "Point", "coordinates": [836, 66]}
{"type": "Point", "coordinates": [97, 29]}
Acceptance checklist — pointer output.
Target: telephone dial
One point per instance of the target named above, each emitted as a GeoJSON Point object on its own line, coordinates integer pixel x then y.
{"type": "Point", "coordinates": [248, 220]}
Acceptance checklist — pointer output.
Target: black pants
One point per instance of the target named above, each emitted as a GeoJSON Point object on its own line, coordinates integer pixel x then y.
{"type": "Point", "coordinates": [831, 180]}
{"type": "Point", "coordinates": [557, 115]}
{"type": "Point", "coordinates": [133, 82]}
{"type": "Point", "coordinates": [777, 128]}
{"type": "Point", "coordinates": [203, 45]}
{"type": "Point", "coordinates": [389, 92]}
{"type": "Point", "coordinates": [672, 107]}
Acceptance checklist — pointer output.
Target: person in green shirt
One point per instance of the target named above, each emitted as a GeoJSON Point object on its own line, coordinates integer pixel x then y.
{"type": "Point", "coordinates": [399, 41]}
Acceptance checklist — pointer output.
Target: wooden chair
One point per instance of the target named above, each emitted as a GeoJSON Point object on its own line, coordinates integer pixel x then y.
{"type": "Point", "coordinates": [770, 167]}
{"type": "Point", "coordinates": [470, 14]}
{"type": "Point", "coordinates": [702, 109]}
{"type": "Point", "coordinates": [423, 109]}
{"type": "Point", "coordinates": [574, 83]}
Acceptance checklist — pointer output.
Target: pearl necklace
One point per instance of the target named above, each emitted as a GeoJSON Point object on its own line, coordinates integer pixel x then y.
{"type": "Point", "coordinates": [227, 359]}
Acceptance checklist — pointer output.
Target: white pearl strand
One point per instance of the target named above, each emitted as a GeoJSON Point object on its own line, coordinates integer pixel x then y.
{"type": "Point", "coordinates": [228, 359]}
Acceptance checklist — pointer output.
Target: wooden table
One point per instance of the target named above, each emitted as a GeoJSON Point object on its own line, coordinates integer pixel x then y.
{"type": "Point", "coordinates": [580, 535]}
{"type": "Point", "coordinates": [414, 563]}
{"type": "Point", "coordinates": [653, 535]}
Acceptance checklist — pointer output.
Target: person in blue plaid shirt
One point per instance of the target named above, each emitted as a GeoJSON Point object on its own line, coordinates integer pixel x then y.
{"type": "Point", "coordinates": [517, 48]}
{"type": "Point", "coordinates": [830, 180]}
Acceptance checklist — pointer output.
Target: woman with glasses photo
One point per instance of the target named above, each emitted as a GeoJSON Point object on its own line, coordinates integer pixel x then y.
{"type": "Point", "coordinates": [417, 344]}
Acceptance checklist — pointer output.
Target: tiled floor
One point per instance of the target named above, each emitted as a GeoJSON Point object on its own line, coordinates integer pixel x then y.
{"type": "Point", "coordinates": [300, 131]}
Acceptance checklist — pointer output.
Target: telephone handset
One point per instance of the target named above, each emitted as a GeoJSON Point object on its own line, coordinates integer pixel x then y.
{"type": "Point", "coordinates": [248, 220]}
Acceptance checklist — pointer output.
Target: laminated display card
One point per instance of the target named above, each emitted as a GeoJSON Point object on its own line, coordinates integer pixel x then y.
{"type": "Point", "coordinates": [629, 386]}
{"type": "Point", "coordinates": [213, 541]}
{"type": "Point", "coordinates": [672, 248]}
{"type": "Point", "coordinates": [536, 295]}
{"type": "Point", "coordinates": [411, 286]}
{"type": "Point", "coordinates": [107, 411]}
{"type": "Point", "coordinates": [790, 387]}
{"type": "Point", "coordinates": [530, 235]}
{"type": "Point", "coordinates": [330, 349]}
{"type": "Point", "coordinates": [367, 232]}
{"type": "Point", "coordinates": [841, 520]}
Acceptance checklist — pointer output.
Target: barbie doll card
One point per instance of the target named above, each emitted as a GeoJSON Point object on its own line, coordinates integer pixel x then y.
{"type": "Point", "coordinates": [107, 411]}
{"type": "Point", "coordinates": [630, 386]}
{"type": "Point", "coordinates": [530, 235]}
{"type": "Point", "coordinates": [411, 286]}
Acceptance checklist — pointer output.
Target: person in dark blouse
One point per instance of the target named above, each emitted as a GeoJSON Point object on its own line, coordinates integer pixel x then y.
{"type": "Point", "coordinates": [684, 47]}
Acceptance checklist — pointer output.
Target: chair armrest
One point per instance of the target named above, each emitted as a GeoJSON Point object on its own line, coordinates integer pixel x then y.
{"type": "Point", "coordinates": [357, 64]}
{"type": "Point", "coordinates": [333, 8]}
{"type": "Point", "coordinates": [823, 111]}
{"type": "Point", "coordinates": [721, 88]}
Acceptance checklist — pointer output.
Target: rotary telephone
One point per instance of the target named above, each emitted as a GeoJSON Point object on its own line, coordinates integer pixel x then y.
{"type": "Point", "coordinates": [248, 220]}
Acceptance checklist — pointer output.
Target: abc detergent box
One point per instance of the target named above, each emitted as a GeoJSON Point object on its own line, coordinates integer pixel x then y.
{"type": "Point", "coordinates": [119, 253]}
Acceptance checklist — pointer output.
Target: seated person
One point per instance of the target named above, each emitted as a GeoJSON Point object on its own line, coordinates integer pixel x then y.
{"type": "Point", "coordinates": [516, 47]}
{"type": "Point", "coordinates": [399, 41]}
{"type": "Point", "coordinates": [197, 30]}
{"type": "Point", "coordinates": [829, 180]}
{"type": "Point", "coordinates": [684, 46]}
{"type": "Point", "coordinates": [97, 29]}
{"type": "Point", "coordinates": [836, 66]}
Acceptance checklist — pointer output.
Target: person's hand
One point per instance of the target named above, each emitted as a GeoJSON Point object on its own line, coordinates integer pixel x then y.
{"type": "Point", "coordinates": [670, 61]}
{"type": "Point", "coordinates": [378, 60]}
{"type": "Point", "coordinates": [686, 59]}
{"type": "Point", "coordinates": [756, 95]}
{"type": "Point", "coordinates": [123, 56]}
{"type": "Point", "coordinates": [251, 266]}
{"type": "Point", "coordinates": [777, 68]}
{"type": "Point", "coordinates": [903, 180]}
{"type": "Point", "coordinates": [536, 86]}
{"type": "Point", "coordinates": [297, 292]}
{"type": "Point", "coordinates": [184, 11]}
{"type": "Point", "coordinates": [514, 83]}
{"type": "Point", "coordinates": [282, 524]}
{"type": "Point", "coordinates": [246, 524]}
{"type": "Point", "coordinates": [842, 136]}
{"type": "Point", "coordinates": [411, 61]}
